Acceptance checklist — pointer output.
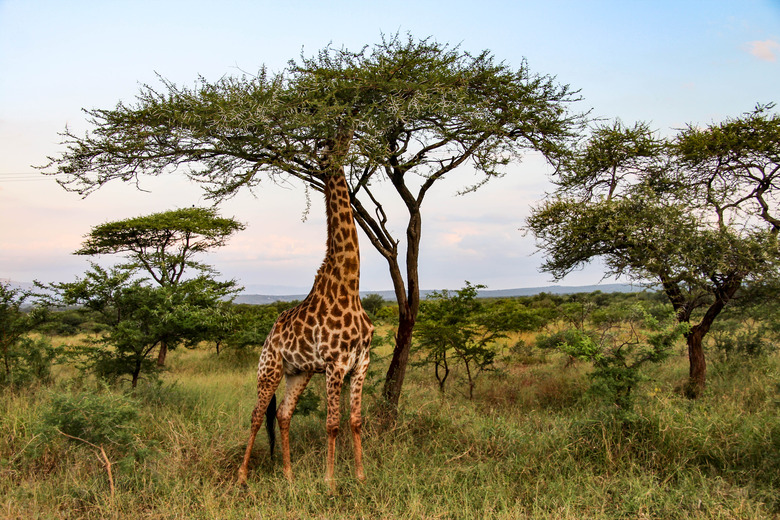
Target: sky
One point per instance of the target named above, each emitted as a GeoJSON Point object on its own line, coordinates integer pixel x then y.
{"type": "Point", "coordinates": [669, 63]}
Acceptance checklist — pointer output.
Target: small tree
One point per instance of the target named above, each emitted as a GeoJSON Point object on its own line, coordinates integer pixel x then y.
{"type": "Point", "coordinates": [457, 328]}
{"type": "Point", "coordinates": [23, 358]}
{"type": "Point", "coordinates": [218, 323]}
{"type": "Point", "coordinates": [619, 350]}
{"type": "Point", "coordinates": [139, 317]}
{"type": "Point", "coordinates": [372, 303]}
{"type": "Point", "coordinates": [254, 322]}
{"type": "Point", "coordinates": [164, 245]}
{"type": "Point", "coordinates": [696, 214]}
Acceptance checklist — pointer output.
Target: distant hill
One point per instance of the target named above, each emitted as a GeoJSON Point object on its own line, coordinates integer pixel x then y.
{"type": "Point", "coordinates": [262, 299]}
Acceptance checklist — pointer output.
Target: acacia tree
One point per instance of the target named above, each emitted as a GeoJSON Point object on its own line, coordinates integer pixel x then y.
{"type": "Point", "coordinates": [163, 245]}
{"type": "Point", "coordinates": [457, 328]}
{"type": "Point", "coordinates": [405, 111]}
{"type": "Point", "coordinates": [20, 356]}
{"type": "Point", "coordinates": [140, 316]}
{"type": "Point", "coordinates": [696, 213]}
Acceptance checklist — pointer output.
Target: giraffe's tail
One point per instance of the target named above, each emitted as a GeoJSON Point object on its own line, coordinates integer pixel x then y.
{"type": "Point", "coordinates": [270, 419]}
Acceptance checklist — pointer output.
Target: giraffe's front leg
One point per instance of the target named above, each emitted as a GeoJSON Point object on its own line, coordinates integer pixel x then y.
{"type": "Point", "coordinates": [335, 378]}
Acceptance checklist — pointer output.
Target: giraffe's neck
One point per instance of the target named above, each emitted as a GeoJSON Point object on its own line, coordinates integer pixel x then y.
{"type": "Point", "coordinates": [342, 258]}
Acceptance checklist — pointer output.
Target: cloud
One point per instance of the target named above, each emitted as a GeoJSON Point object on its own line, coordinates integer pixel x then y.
{"type": "Point", "coordinates": [764, 50]}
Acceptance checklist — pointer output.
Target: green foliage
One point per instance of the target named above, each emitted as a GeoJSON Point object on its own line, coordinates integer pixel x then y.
{"type": "Point", "coordinates": [579, 345]}
{"type": "Point", "coordinates": [381, 98]}
{"type": "Point", "coordinates": [253, 323]}
{"type": "Point", "coordinates": [513, 314]}
{"type": "Point", "coordinates": [388, 314]}
{"type": "Point", "coordinates": [696, 213]}
{"type": "Point", "coordinates": [140, 317]}
{"type": "Point", "coordinates": [163, 244]}
{"type": "Point", "coordinates": [569, 336]}
{"type": "Point", "coordinates": [736, 341]}
{"type": "Point", "coordinates": [309, 403]}
{"type": "Point", "coordinates": [23, 359]}
{"type": "Point", "coordinates": [30, 360]}
{"type": "Point", "coordinates": [132, 327]}
{"type": "Point", "coordinates": [372, 304]}
{"type": "Point", "coordinates": [195, 310]}
{"type": "Point", "coordinates": [457, 328]}
{"type": "Point", "coordinates": [750, 328]}
{"type": "Point", "coordinates": [69, 322]}
{"type": "Point", "coordinates": [733, 346]}
{"type": "Point", "coordinates": [102, 418]}
{"type": "Point", "coordinates": [619, 341]}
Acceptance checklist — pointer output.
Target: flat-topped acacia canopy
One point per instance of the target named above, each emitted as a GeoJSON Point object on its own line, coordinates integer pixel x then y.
{"type": "Point", "coordinates": [414, 110]}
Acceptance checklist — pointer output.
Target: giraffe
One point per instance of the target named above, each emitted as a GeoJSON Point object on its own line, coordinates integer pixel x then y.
{"type": "Point", "coordinates": [327, 332]}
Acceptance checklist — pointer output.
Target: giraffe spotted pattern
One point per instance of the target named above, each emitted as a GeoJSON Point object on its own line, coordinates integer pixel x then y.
{"type": "Point", "coordinates": [327, 332]}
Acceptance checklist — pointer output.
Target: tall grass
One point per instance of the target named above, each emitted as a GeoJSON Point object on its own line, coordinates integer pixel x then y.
{"type": "Point", "coordinates": [530, 445]}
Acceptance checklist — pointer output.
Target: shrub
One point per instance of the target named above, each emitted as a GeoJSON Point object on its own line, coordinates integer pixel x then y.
{"type": "Point", "coordinates": [735, 341]}
{"type": "Point", "coordinates": [372, 304]}
{"type": "Point", "coordinates": [28, 360]}
{"type": "Point", "coordinates": [457, 328]}
{"type": "Point", "coordinates": [103, 419]}
{"type": "Point", "coordinates": [618, 352]}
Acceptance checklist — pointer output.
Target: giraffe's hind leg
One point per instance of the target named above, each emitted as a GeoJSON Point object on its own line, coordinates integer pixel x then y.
{"type": "Point", "coordinates": [334, 379]}
{"type": "Point", "coordinates": [269, 374]}
{"type": "Point", "coordinates": [355, 417]}
{"type": "Point", "coordinates": [294, 387]}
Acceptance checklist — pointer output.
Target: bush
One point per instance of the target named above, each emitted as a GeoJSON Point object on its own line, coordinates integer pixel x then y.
{"type": "Point", "coordinates": [69, 322]}
{"type": "Point", "coordinates": [372, 304]}
{"type": "Point", "coordinates": [309, 403]}
{"type": "Point", "coordinates": [618, 351]}
{"type": "Point", "coordinates": [253, 323]}
{"type": "Point", "coordinates": [457, 328]}
{"type": "Point", "coordinates": [29, 360]}
{"type": "Point", "coordinates": [733, 343]}
{"type": "Point", "coordinates": [103, 419]}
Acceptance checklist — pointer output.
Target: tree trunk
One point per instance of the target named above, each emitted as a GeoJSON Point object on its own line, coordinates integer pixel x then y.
{"type": "Point", "coordinates": [442, 378]}
{"type": "Point", "coordinates": [408, 306]}
{"type": "Point", "coordinates": [471, 381]}
{"type": "Point", "coordinates": [5, 356]}
{"type": "Point", "coordinates": [136, 373]}
{"type": "Point", "coordinates": [162, 354]}
{"type": "Point", "coordinates": [407, 292]}
{"type": "Point", "coordinates": [683, 306]}
{"type": "Point", "coordinates": [698, 366]}
{"type": "Point", "coordinates": [396, 372]}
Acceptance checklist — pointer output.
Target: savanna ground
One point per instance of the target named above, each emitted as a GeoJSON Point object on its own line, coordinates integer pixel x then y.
{"type": "Point", "coordinates": [531, 444]}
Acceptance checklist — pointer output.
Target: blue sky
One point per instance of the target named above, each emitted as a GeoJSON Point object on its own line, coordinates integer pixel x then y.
{"type": "Point", "coordinates": [666, 62]}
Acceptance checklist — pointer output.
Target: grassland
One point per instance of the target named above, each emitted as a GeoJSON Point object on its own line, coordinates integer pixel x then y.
{"type": "Point", "coordinates": [532, 444]}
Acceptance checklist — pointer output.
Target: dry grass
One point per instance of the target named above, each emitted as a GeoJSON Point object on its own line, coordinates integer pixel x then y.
{"type": "Point", "coordinates": [530, 445]}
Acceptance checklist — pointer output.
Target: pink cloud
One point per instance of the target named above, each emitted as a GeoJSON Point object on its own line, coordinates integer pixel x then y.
{"type": "Point", "coordinates": [764, 50]}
